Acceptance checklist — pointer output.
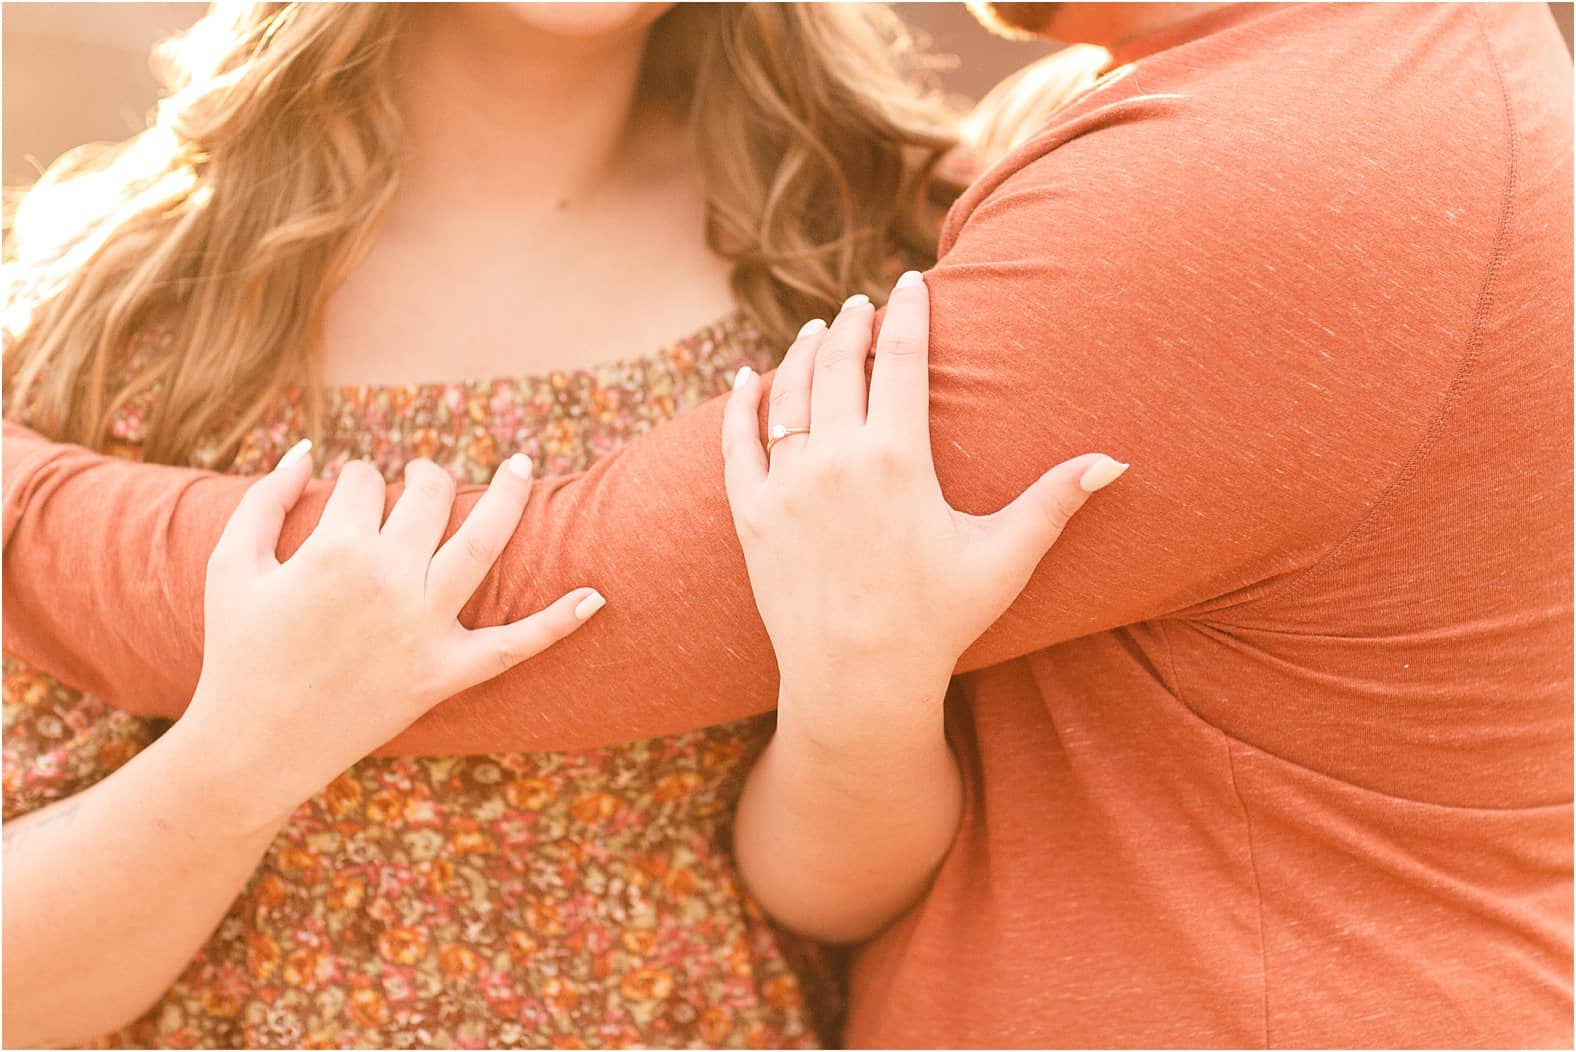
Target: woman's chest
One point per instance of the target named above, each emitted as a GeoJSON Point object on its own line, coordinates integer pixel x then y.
{"type": "Point", "coordinates": [500, 295]}
{"type": "Point", "coordinates": [565, 420]}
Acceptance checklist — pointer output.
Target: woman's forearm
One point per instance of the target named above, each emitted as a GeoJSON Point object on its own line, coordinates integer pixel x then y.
{"type": "Point", "coordinates": [839, 833]}
{"type": "Point", "coordinates": [308, 665]}
{"type": "Point", "coordinates": [110, 893]}
{"type": "Point", "coordinates": [870, 585]}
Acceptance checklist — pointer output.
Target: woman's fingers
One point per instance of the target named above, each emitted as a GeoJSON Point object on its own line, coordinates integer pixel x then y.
{"type": "Point", "coordinates": [355, 508]}
{"type": "Point", "coordinates": [1020, 534]}
{"type": "Point", "coordinates": [837, 394]}
{"type": "Point", "coordinates": [253, 529]}
{"type": "Point", "coordinates": [485, 652]}
{"type": "Point", "coordinates": [900, 381]}
{"type": "Point", "coordinates": [463, 561]}
{"type": "Point", "coordinates": [743, 456]}
{"type": "Point", "coordinates": [421, 515]}
{"type": "Point", "coordinates": [790, 398]}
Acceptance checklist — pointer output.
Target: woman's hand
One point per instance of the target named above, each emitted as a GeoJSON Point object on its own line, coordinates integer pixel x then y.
{"type": "Point", "coordinates": [311, 664]}
{"type": "Point", "coordinates": [871, 587]}
{"type": "Point", "coordinates": [861, 569]}
{"type": "Point", "coordinates": [308, 665]}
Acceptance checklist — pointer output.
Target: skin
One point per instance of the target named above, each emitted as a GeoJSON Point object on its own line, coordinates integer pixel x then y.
{"type": "Point", "coordinates": [125, 881]}
{"type": "Point", "coordinates": [1108, 25]}
{"type": "Point", "coordinates": [857, 797]}
{"type": "Point", "coordinates": [855, 802]}
{"type": "Point", "coordinates": [560, 161]}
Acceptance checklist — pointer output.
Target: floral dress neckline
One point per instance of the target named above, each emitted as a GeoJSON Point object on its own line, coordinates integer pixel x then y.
{"type": "Point", "coordinates": [563, 418]}
{"type": "Point", "coordinates": [713, 337]}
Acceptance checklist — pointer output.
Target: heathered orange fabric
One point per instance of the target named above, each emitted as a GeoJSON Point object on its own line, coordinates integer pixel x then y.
{"type": "Point", "coordinates": [1276, 747]}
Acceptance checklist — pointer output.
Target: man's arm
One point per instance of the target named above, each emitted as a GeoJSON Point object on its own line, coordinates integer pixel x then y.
{"type": "Point", "coordinates": [1103, 295]}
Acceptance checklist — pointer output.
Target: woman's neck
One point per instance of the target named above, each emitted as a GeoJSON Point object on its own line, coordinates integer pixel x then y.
{"type": "Point", "coordinates": [499, 113]}
{"type": "Point", "coordinates": [536, 191]}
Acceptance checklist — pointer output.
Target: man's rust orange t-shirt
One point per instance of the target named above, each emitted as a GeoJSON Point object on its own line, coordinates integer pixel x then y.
{"type": "Point", "coordinates": [1275, 749]}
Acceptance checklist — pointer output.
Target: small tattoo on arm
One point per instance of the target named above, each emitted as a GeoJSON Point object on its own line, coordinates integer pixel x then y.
{"type": "Point", "coordinates": [63, 812]}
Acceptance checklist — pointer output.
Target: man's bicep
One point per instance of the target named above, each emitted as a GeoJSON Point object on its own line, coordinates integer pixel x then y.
{"type": "Point", "coordinates": [1058, 327]}
{"type": "Point", "coordinates": [1062, 325]}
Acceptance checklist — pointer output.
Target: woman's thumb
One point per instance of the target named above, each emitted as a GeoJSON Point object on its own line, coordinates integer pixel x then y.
{"type": "Point", "coordinates": [1025, 529]}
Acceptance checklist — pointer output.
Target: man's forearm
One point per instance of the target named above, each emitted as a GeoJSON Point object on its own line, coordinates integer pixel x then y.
{"type": "Point", "coordinates": [121, 617]}
{"type": "Point", "coordinates": [118, 617]}
{"type": "Point", "coordinates": [1044, 286]}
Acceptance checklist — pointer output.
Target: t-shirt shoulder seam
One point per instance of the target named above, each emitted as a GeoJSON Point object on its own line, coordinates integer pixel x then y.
{"type": "Point", "coordinates": [1307, 576]}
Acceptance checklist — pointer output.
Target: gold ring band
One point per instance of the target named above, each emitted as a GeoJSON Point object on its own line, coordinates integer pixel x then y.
{"type": "Point", "coordinates": [779, 432]}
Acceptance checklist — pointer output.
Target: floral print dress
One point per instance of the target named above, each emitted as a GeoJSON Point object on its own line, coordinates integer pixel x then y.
{"type": "Point", "coordinates": [565, 900]}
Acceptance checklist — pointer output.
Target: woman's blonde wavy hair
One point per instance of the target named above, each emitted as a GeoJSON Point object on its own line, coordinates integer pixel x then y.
{"type": "Point", "coordinates": [236, 215]}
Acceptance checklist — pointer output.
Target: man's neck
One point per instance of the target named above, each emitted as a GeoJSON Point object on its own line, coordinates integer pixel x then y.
{"type": "Point", "coordinates": [498, 112]}
{"type": "Point", "coordinates": [1113, 25]}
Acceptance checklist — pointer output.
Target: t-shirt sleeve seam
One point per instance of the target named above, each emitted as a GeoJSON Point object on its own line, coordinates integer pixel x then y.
{"type": "Point", "coordinates": [1307, 576]}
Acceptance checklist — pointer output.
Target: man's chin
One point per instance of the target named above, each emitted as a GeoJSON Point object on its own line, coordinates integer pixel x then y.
{"type": "Point", "coordinates": [1017, 21]}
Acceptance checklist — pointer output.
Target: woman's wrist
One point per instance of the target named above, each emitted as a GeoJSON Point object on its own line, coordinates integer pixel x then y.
{"type": "Point", "coordinates": [870, 725]}
{"type": "Point", "coordinates": [836, 837]}
{"type": "Point", "coordinates": [236, 782]}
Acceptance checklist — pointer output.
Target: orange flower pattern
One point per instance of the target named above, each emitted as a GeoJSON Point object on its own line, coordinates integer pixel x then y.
{"type": "Point", "coordinates": [563, 900]}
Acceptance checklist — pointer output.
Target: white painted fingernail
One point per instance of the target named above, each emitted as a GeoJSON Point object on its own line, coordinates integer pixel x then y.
{"type": "Point", "coordinates": [1104, 472]}
{"type": "Point", "coordinates": [909, 279]}
{"type": "Point", "coordinates": [520, 465]}
{"type": "Point", "coordinates": [589, 605]}
{"type": "Point", "coordinates": [295, 453]}
{"type": "Point", "coordinates": [855, 301]}
{"type": "Point", "coordinates": [742, 375]}
{"type": "Point", "coordinates": [813, 325]}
